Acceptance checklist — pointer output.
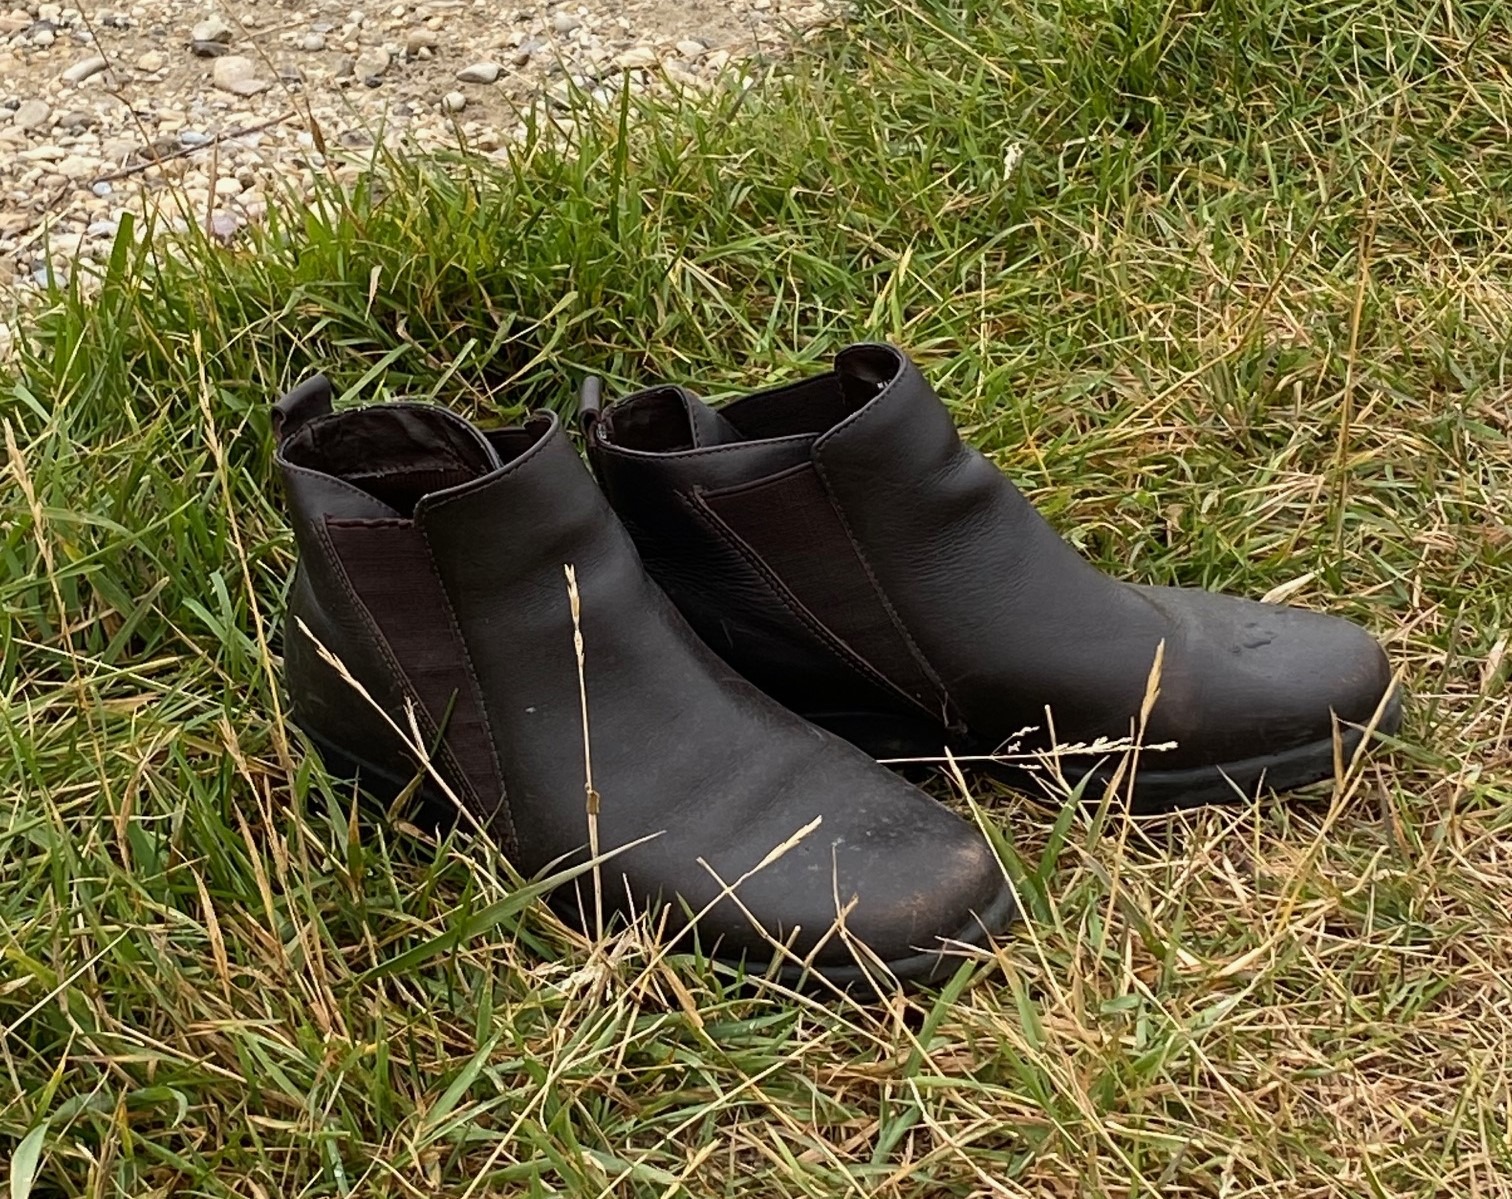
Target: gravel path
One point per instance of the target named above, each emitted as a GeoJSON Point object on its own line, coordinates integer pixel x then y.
{"type": "Point", "coordinates": [193, 110]}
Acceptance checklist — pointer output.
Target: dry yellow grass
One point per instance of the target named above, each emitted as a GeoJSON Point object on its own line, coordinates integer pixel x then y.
{"type": "Point", "coordinates": [1222, 286]}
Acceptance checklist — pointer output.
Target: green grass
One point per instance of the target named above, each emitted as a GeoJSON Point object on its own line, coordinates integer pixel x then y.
{"type": "Point", "coordinates": [1226, 287]}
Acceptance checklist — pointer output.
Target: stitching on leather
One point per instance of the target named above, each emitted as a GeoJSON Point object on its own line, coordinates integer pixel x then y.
{"type": "Point", "coordinates": [503, 810]}
{"type": "Point", "coordinates": [707, 452]}
{"type": "Point", "coordinates": [868, 410]}
{"type": "Point", "coordinates": [386, 652]}
{"type": "Point", "coordinates": [833, 435]}
{"type": "Point", "coordinates": [756, 484]}
{"type": "Point", "coordinates": [470, 489]}
{"type": "Point", "coordinates": [848, 657]}
{"type": "Point", "coordinates": [313, 422]}
{"type": "Point", "coordinates": [431, 410]}
{"type": "Point", "coordinates": [452, 460]}
{"type": "Point", "coordinates": [307, 472]}
{"type": "Point", "coordinates": [376, 522]}
{"type": "Point", "coordinates": [949, 711]}
{"type": "Point", "coordinates": [461, 424]}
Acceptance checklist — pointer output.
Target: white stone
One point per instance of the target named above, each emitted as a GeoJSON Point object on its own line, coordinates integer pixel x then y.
{"type": "Point", "coordinates": [635, 58]}
{"type": "Point", "coordinates": [480, 72]}
{"type": "Point", "coordinates": [85, 69]}
{"type": "Point", "coordinates": [222, 225]}
{"type": "Point", "coordinates": [66, 150]}
{"type": "Point", "coordinates": [31, 114]}
{"type": "Point", "coordinates": [237, 74]}
{"type": "Point", "coordinates": [76, 166]}
{"type": "Point", "coordinates": [371, 64]}
{"type": "Point", "coordinates": [212, 29]}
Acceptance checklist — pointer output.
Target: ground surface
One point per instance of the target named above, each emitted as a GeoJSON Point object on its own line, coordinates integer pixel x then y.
{"type": "Point", "coordinates": [1224, 287]}
{"type": "Point", "coordinates": [239, 100]}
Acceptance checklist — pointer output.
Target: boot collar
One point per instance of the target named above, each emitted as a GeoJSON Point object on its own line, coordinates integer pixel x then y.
{"type": "Point", "coordinates": [673, 420]}
{"type": "Point", "coordinates": [873, 406]}
{"type": "Point", "coordinates": [657, 420]}
{"type": "Point", "coordinates": [396, 459]}
{"type": "Point", "coordinates": [896, 421]}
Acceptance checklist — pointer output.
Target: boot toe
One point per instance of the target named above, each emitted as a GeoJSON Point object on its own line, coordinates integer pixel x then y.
{"type": "Point", "coordinates": [896, 871]}
{"type": "Point", "coordinates": [907, 891]}
{"type": "Point", "coordinates": [1250, 679]}
{"type": "Point", "coordinates": [941, 891]}
{"type": "Point", "coordinates": [1347, 672]}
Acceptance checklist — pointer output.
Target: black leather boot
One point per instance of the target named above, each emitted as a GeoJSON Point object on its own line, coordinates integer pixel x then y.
{"type": "Point", "coordinates": [431, 563]}
{"type": "Point", "coordinates": [837, 543]}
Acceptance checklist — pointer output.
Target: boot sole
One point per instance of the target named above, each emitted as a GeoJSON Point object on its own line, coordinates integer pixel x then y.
{"type": "Point", "coordinates": [923, 967]}
{"type": "Point", "coordinates": [1154, 791]}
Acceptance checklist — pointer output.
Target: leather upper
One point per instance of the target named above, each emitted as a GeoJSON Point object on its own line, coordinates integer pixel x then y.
{"type": "Point", "coordinates": [684, 749]}
{"type": "Point", "coordinates": [987, 600]}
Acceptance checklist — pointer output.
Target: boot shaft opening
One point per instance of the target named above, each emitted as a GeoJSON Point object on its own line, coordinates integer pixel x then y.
{"type": "Point", "coordinates": [399, 453]}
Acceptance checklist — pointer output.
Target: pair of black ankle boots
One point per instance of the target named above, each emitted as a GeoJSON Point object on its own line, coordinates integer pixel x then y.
{"type": "Point", "coordinates": [767, 598]}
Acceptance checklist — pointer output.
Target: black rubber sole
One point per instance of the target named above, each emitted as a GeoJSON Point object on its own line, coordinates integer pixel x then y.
{"type": "Point", "coordinates": [1154, 791]}
{"type": "Point", "coordinates": [921, 968]}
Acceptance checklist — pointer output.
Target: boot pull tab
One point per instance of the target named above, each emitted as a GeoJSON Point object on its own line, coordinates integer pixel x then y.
{"type": "Point", "coordinates": [303, 404]}
{"type": "Point", "coordinates": [590, 403]}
